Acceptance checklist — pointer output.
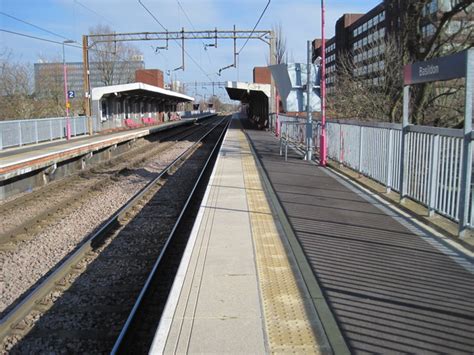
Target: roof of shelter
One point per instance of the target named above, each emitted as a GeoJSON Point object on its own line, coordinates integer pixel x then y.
{"type": "Point", "coordinates": [240, 90]}
{"type": "Point", "coordinates": [138, 89]}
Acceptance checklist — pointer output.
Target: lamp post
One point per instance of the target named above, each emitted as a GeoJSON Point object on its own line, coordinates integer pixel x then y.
{"type": "Point", "coordinates": [68, 122]}
{"type": "Point", "coordinates": [323, 144]}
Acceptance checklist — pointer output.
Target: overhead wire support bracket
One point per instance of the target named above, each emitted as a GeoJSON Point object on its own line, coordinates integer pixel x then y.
{"type": "Point", "coordinates": [234, 65]}
{"type": "Point", "coordinates": [206, 45]}
{"type": "Point", "coordinates": [182, 48]}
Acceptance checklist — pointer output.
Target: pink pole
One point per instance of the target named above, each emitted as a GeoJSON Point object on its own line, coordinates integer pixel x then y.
{"type": "Point", "coordinates": [68, 123]}
{"type": "Point", "coordinates": [277, 128]}
{"type": "Point", "coordinates": [323, 144]}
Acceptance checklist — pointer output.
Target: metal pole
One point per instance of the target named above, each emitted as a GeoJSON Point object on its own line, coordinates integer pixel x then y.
{"type": "Point", "coordinates": [466, 171]}
{"type": "Point", "coordinates": [86, 84]}
{"type": "Point", "coordinates": [406, 106]}
{"type": "Point", "coordinates": [182, 49]}
{"type": "Point", "coordinates": [309, 121]}
{"type": "Point", "coordinates": [277, 112]}
{"type": "Point", "coordinates": [323, 144]}
{"type": "Point", "coordinates": [68, 123]}
{"type": "Point", "coordinates": [272, 58]}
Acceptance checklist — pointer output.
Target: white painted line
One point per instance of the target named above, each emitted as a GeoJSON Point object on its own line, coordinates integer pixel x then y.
{"type": "Point", "coordinates": [161, 335]}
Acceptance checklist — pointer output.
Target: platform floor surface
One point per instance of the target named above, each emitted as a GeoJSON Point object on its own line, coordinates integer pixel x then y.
{"type": "Point", "coordinates": [237, 291]}
{"type": "Point", "coordinates": [392, 287]}
{"type": "Point", "coordinates": [17, 155]}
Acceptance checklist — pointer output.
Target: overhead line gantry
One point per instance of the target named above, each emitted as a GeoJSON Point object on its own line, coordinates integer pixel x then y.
{"type": "Point", "coordinates": [89, 41]}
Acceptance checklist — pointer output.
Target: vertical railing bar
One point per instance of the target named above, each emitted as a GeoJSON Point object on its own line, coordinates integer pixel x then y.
{"type": "Point", "coordinates": [36, 131]}
{"type": "Point", "coordinates": [422, 172]}
{"type": "Point", "coordinates": [361, 142]}
{"type": "Point", "coordinates": [408, 162]}
{"type": "Point", "coordinates": [389, 161]}
{"type": "Point", "coordinates": [448, 170]}
{"type": "Point", "coordinates": [433, 175]}
{"type": "Point", "coordinates": [457, 178]}
{"type": "Point", "coordinates": [428, 154]}
{"type": "Point", "coordinates": [20, 141]}
{"type": "Point", "coordinates": [445, 173]}
{"type": "Point", "coordinates": [414, 162]}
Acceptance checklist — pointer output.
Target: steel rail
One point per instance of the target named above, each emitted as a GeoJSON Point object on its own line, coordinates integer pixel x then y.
{"type": "Point", "coordinates": [12, 234]}
{"type": "Point", "coordinates": [151, 276]}
{"type": "Point", "coordinates": [31, 301]}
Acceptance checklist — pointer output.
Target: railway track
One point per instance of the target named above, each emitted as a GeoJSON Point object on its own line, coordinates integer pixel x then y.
{"type": "Point", "coordinates": [83, 304]}
{"type": "Point", "coordinates": [38, 254]}
{"type": "Point", "coordinates": [25, 216]}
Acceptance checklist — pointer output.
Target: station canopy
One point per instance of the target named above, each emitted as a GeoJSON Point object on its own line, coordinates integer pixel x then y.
{"type": "Point", "coordinates": [242, 91]}
{"type": "Point", "coordinates": [139, 91]}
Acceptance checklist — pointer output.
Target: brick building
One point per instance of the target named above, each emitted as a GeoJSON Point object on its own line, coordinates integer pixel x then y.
{"type": "Point", "coordinates": [262, 75]}
{"type": "Point", "coordinates": [362, 36]}
{"type": "Point", "coordinates": [152, 77]}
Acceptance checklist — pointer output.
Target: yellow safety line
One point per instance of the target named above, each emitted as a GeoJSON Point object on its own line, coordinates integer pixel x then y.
{"type": "Point", "coordinates": [287, 324]}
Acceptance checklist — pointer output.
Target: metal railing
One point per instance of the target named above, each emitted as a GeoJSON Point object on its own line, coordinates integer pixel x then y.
{"type": "Point", "coordinates": [432, 159]}
{"type": "Point", "coordinates": [17, 133]}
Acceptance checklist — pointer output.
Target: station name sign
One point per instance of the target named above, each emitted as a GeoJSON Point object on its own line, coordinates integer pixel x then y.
{"type": "Point", "coordinates": [438, 69]}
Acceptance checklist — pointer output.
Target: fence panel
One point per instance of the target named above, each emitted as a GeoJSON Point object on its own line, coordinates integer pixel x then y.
{"type": "Point", "coordinates": [16, 133]}
{"type": "Point", "coordinates": [432, 159]}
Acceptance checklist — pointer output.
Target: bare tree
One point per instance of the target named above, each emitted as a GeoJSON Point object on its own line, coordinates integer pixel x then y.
{"type": "Point", "coordinates": [422, 33]}
{"type": "Point", "coordinates": [367, 91]}
{"type": "Point", "coordinates": [113, 59]}
{"type": "Point", "coordinates": [280, 52]}
{"type": "Point", "coordinates": [428, 34]}
{"type": "Point", "coordinates": [16, 100]}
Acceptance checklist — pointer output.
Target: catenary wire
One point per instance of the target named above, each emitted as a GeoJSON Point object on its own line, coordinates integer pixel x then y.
{"type": "Point", "coordinates": [254, 27]}
{"type": "Point", "coordinates": [179, 44]}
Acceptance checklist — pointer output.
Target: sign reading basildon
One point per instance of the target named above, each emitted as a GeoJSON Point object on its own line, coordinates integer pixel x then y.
{"type": "Point", "coordinates": [444, 68]}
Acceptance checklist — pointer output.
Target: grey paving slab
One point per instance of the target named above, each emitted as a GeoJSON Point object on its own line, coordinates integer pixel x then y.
{"type": "Point", "coordinates": [228, 296]}
{"type": "Point", "coordinates": [211, 336]}
{"type": "Point", "coordinates": [219, 309]}
{"type": "Point", "coordinates": [391, 290]}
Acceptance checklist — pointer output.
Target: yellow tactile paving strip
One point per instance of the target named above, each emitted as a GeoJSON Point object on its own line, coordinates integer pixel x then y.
{"type": "Point", "coordinates": [288, 326]}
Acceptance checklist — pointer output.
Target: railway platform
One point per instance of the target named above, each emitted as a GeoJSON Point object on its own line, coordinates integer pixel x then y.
{"type": "Point", "coordinates": [286, 256]}
{"type": "Point", "coordinates": [24, 163]}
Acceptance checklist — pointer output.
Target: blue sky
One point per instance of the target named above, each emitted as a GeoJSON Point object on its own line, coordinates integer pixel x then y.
{"type": "Point", "coordinates": [300, 20]}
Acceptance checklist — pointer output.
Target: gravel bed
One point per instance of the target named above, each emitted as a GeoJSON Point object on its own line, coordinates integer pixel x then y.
{"type": "Point", "coordinates": [89, 315]}
{"type": "Point", "coordinates": [15, 217]}
{"type": "Point", "coordinates": [21, 268]}
{"type": "Point", "coordinates": [42, 201]}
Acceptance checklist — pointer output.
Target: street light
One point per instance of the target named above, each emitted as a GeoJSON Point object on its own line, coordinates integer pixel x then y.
{"type": "Point", "coordinates": [68, 123]}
